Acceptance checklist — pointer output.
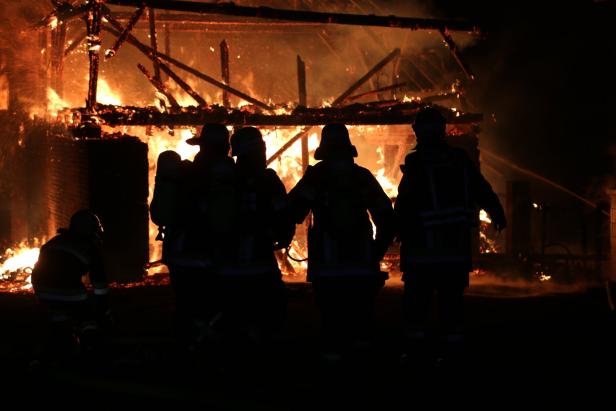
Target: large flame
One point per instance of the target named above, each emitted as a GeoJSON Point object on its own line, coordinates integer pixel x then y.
{"type": "Point", "coordinates": [16, 267]}
{"type": "Point", "coordinates": [289, 165]}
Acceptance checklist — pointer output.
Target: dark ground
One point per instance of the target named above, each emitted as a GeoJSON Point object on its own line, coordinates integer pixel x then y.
{"type": "Point", "coordinates": [522, 349]}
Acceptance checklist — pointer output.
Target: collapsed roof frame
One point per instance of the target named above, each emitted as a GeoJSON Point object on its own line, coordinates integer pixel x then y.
{"type": "Point", "coordinates": [95, 13]}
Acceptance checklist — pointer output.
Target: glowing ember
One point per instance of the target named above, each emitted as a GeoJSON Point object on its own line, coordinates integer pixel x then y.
{"type": "Point", "coordinates": [16, 267]}
{"type": "Point", "coordinates": [487, 243]}
{"type": "Point", "coordinates": [544, 277]}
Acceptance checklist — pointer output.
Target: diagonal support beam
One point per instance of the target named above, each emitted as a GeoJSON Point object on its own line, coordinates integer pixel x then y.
{"type": "Point", "coordinates": [337, 102]}
{"type": "Point", "coordinates": [453, 48]}
{"type": "Point", "coordinates": [159, 86]}
{"type": "Point", "coordinates": [366, 77]}
{"type": "Point", "coordinates": [189, 90]}
{"type": "Point", "coordinates": [110, 53]}
{"type": "Point", "coordinates": [149, 52]}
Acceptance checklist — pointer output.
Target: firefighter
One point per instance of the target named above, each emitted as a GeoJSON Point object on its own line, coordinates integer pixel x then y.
{"type": "Point", "coordinates": [438, 200]}
{"type": "Point", "coordinates": [76, 317]}
{"type": "Point", "coordinates": [168, 211]}
{"type": "Point", "coordinates": [205, 219]}
{"type": "Point", "coordinates": [254, 293]}
{"type": "Point", "coordinates": [344, 253]}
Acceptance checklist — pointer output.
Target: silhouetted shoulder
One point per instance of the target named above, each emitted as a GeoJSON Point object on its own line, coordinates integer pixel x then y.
{"type": "Point", "coordinates": [272, 178]}
{"type": "Point", "coordinates": [410, 160]}
{"type": "Point", "coordinates": [364, 174]}
{"type": "Point", "coordinates": [271, 174]}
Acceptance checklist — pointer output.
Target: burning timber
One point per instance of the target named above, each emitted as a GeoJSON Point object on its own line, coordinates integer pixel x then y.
{"type": "Point", "coordinates": [379, 113]}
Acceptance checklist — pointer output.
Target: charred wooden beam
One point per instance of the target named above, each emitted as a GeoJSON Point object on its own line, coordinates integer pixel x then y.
{"type": "Point", "coordinates": [93, 26]}
{"type": "Point", "coordinates": [75, 42]}
{"type": "Point", "coordinates": [64, 13]}
{"type": "Point", "coordinates": [301, 135]}
{"type": "Point", "coordinates": [224, 67]}
{"type": "Point", "coordinates": [337, 102]}
{"type": "Point", "coordinates": [184, 85]}
{"type": "Point", "coordinates": [231, 9]}
{"type": "Point", "coordinates": [373, 92]}
{"type": "Point", "coordinates": [301, 82]}
{"type": "Point", "coordinates": [455, 53]}
{"type": "Point", "coordinates": [148, 51]}
{"type": "Point", "coordinates": [159, 86]}
{"type": "Point", "coordinates": [366, 77]}
{"type": "Point", "coordinates": [154, 41]}
{"type": "Point", "coordinates": [129, 27]}
{"type": "Point", "coordinates": [356, 114]}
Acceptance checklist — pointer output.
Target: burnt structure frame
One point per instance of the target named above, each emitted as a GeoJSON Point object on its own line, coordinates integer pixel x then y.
{"type": "Point", "coordinates": [95, 12]}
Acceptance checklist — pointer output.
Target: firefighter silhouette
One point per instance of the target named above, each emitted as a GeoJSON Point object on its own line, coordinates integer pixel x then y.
{"type": "Point", "coordinates": [77, 318]}
{"type": "Point", "coordinates": [344, 253]}
{"type": "Point", "coordinates": [195, 204]}
{"type": "Point", "coordinates": [254, 294]}
{"type": "Point", "coordinates": [439, 197]}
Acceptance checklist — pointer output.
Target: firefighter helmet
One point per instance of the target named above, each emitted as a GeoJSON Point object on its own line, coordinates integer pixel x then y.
{"type": "Point", "coordinates": [213, 136]}
{"type": "Point", "coordinates": [168, 165]}
{"type": "Point", "coordinates": [429, 124]}
{"type": "Point", "coordinates": [247, 140]}
{"type": "Point", "coordinates": [335, 140]}
{"type": "Point", "coordinates": [85, 223]}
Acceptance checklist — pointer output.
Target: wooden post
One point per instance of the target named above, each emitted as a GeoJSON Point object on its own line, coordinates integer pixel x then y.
{"type": "Point", "coordinates": [167, 41]}
{"type": "Point", "coordinates": [93, 25]}
{"type": "Point", "coordinates": [224, 66]}
{"type": "Point", "coordinates": [154, 42]}
{"type": "Point", "coordinates": [301, 84]}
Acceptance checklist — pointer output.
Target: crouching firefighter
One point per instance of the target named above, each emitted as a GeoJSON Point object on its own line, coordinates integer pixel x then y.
{"type": "Point", "coordinates": [438, 203]}
{"type": "Point", "coordinates": [343, 252]}
{"type": "Point", "coordinates": [76, 317]}
{"type": "Point", "coordinates": [254, 293]}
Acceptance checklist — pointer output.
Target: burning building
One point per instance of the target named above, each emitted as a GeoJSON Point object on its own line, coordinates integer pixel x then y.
{"type": "Point", "coordinates": [91, 92]}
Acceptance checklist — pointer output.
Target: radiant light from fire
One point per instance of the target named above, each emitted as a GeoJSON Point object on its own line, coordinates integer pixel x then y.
{"type": "Point", "coordinates": [19, 260]}
{"type": "Point", "coordinates": [483, 216]}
